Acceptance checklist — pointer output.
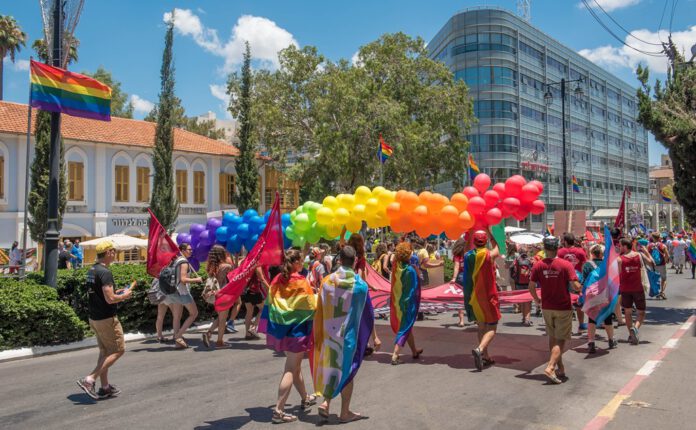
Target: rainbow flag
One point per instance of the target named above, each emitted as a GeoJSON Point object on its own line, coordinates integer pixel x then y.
{"type": "Point", "coordinates": [384, 151]}
{"type": "Point", "coordinates": [691, 251]}
{"type": "Point", "coordinates": [576, 185]}
{"type": "Point", "coordinates": [57, 90]}
{"type": "Point", "coordinates": [601, 289]}
{"type": "Point", "coordinates": [473, 167]}
{"type": "Point", "coordinates": [343, 324]}
{"type": "Point", "coordinates": [405, 301]}
{"type": "Point", "coordinates": [288, 313]}
{"type": "Point", "coordinates": [480, 293]}
{"type": "Point", "coordinates": [666, 194]}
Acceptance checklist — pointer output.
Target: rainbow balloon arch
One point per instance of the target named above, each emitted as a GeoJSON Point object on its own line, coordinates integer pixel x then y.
{"type": "Point", "coordinates": [476, 207]}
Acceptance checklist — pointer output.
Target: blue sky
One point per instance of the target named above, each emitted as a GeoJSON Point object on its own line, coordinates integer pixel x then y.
{"type": "Point", "coordinates": [127, 36]}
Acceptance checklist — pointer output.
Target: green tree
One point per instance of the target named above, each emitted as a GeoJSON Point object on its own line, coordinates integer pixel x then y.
{"type": "Point", "coordinates": [12, 38]}
{"type": "Point", "coordinates": [245, 164]}
{"type": "Point", "coordinates": [163, 201]}
{"type": "Point", "coordinates": [669, 112]}
{"type": "Point", "coordinates": [120, 105]}
{"type": "Point", "coordinates": [180, 120]}
{"type": "Point", "coordinates": [330, 115]}
{"type": "Point", "coordinates": [39, 46]}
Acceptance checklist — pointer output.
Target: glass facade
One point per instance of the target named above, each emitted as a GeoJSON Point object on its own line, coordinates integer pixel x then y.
{"type": "Point", "coordinates": [506, 63]}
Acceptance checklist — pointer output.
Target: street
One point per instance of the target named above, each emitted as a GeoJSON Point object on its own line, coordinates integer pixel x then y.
{"type": "Point", "coordinates": [236, 387]}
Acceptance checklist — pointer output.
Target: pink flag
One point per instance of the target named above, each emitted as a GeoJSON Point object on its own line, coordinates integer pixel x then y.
{"type": "Point", "coordinates": [160, 247]}
{"type": "Point", "coordinates": [602, 284]}
{"type": "Point", "coordinates": [268, 251]}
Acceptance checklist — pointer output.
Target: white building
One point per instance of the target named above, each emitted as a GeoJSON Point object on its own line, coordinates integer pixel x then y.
{"type": "Point", "coordinates": [228, 125]}
{"type": "Point", "coordinates": [109, 170]}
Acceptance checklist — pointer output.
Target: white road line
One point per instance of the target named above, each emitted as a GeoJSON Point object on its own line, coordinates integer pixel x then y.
{"type": "Point", "coordinates": [648, 367]}
{"type": "Point", "coordinates": [672, 343]}
{"type": "Point", "coordinates": [687, 325]}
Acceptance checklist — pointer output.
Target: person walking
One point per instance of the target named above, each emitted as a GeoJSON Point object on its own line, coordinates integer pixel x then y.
{"type": "Point", "coordinates": [183, 298]}
{"type": "Point", "coordinates": [660, 255]}
{"type": "Point", "coordinates": [481, 295]}
{"type": "Point", "coordinates": [15, 257]}
{"type": "Point", "coordinates": [577, 257]}
{"type": "Point", "coordinates": [103, 298]}
{"type": "Point", "coordinates": [520, 272]}
{"type": "Point", "coordinates": [631, 269]}
{"type": "Point", "coordinates": [217, 268]}
{"type": "Point", "coordinates": [554, 275]}
{"type": "Point", "coordinates": [404, 303]}
{"type": "Point", "coordinates": [286, 320]}
{"type": "Point", "coordinates": [458, 251]}
{"type": "Point", "coordinates": [590, 275]}
{"type": "Point", "coordinates": [77, 255]}
{"type": "Point", "coordinates": [253, 297]}
{"type": "Point", "coordinates": [679, 252]}
{"type": "Point", "coordinates": [65, 255]}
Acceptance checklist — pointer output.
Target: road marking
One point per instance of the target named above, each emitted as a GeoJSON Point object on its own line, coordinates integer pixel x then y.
{"type": "Point", "coordinates": [672, 343]}
{"type": "Point", "coordinates": [609, 410]}
{"type": "Point", "coordinates": [687, 325]}
{"type": "Point", "coordinates": [648, 367]}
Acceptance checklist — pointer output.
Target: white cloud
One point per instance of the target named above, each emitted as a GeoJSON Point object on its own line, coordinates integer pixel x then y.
{"type": "Point", "coordinates": [220, 92]}
{"type": "Point", "coordinates": [18, 65]}
{"type": "Point", "coordinates": [265, 37]}
{"type": "Point", "coordinates": [623, 56]}
{"type": "Point", "coordinates": [141, 105]}
{"type": "Point", "coordinates": [355, 59]}
{"type": "Point", "coordinates": [609, 5]}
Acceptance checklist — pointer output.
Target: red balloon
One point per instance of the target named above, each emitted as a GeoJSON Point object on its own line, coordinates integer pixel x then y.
{"type": "Point", "coordinates": [513, 185]}
{"type": "Point", "coordinates": [480, 224]}
{"type": "Point", "coordinates": [482, 182]}
{"type": "Point", "coordinates": [504, 210]}
{"type": "Point", "coordinates": [491, 198]}
{"type": "Point", "coordinates": [538, 207]}
{"type": "Point", "coordinates": [511, 204]}
{"type": "Point", "coordinates": [520, 214]}
{"type": "Point", "coordinates": [538, 184]}
{"type": "Point", "coordinates": [476, 206]}
{"type": "Point", "coordinates": [529, 193]}
{"type": "Point", "coordinates": [470, 192]}
{"type": "Point", "coordinates": [494, 216]}
{"type": "Point", "coordinates": [500, 189]}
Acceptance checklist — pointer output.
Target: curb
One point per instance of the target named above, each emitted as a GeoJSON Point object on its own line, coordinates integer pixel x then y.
{"type": "Point", "coordinates": [38, 351]}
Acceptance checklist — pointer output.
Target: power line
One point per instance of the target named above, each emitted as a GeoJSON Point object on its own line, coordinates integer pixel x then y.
{"type": "Point", "coordinates": [659, 26]}
{"type": "Point", "coordinates": [622, 27]}
{"type": "Point", "coordinates": [671, 18]}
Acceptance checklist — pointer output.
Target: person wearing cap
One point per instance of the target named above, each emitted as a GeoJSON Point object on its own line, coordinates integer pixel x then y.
{"type": "Point", "coordinates": [481, 294]}
{"type": "Point", "coordinates": [679, 253]}
{"type": "Point", "coordinates": [103, 298]}
{"type": "Point", "coordinates": [577, 257]}
{"type": "Point", "coordinates": [554, 276]}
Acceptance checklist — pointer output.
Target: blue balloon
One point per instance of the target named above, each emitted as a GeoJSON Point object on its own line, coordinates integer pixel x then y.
{"type": "Point", "coordinates": [221, 234]}
{"type": "Point", "coordinates": [255, 222]}
{"type": "Point", "coordinates": [248, 214]}
{"type": "Point", "coordinates": [234, 245]}
{"type": "Point", "coordinates": [266, 215]}
{"type": "Point", "coordinates": [262, 227]}
{"type": "Point", "coordinates": [249, 243]}
{"type": "Point", "coordinates": [228, 218]}
{"type": "Point", "coordinates": [243, 231]}
{"type": "Point", "coordinates": [287, 243]}
{"type": "Point", "coordinates": [285, 220]}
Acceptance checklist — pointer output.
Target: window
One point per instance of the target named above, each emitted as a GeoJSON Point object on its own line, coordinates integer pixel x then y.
{"type": "Point", "coordinates": [485, 42]}
{"type": "Point", "coordinates": [2, 177]}
{"type": "Point", "coordinates": [143, 181]}
{"type": "Point", "coordinates": [199, 188]}
{"type": "Point", "coordinates": [181, 186]}
{"type": "Point", "coordinates": [121, 183]}
{"type": "Point", "coordinates": [613, 96]}
{"type": "Point", "coordinates": [556, 65]}
{"type": "Point", "coordinates": [493, 143]}
{"type": "Point", "coordinates": [132, 255]}
{"type": "Point", "coordinates": [490, 75]}
{"type": "Point", "coordinates": [533, 114]}
{"type": "Point", "coordinates": [76, 182]}
{"type": "Point", "coordinates": [227, 189]}
{"type": "Point", "coordinates": [498, 109]}
{"type": "Point", "coordinates": [532, 52]}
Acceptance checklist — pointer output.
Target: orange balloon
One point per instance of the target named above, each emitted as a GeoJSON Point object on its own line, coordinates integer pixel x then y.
{"type": "Point", "coordinates": [460, 201]}
{"type": "Point", "coordinates": [423, 231]}
{"type": "Point", "coordinates": [400, 195]}
{"type": "Point", "coordinates": [425, 197]}
{"type": "Point", "coordinates": [466, 221]}
{"type": "Point", "coordinates": [453, 232]}
{"type": "Point", "coordinates": [409, 201]}
{"type": "Point", "coordinates": [436, 202]}
{"type": "Point", "coordinates": [394, 210]}
{"type": "Point", "coordinates": [421, 217]}
{"type": "Point", "coordinates": [449, 215]}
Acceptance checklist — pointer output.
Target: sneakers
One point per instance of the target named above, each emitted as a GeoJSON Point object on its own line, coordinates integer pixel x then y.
{"type": "Point", "coordinates": [478, 358]}
{"type": "Point", "coordinates": [634, 335]}
{"type": "Point", "coordinates": [88, 388]}
{"type": "Point", "coordinates": [613, 343]}
{"type": "Point", "coordinates": [110, 391]}
{"type": "Point", "coordinates": [230, 327]}
{"type": "Point", "coordinates": [592, 349]}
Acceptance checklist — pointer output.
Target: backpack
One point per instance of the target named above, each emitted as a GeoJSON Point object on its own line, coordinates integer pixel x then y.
{"type": "Point", "coordinates": [155, 295]}
{"type": "Point", "coordinates": [169, 276]}
{"type": "Point", "coordinates": [657, 255]}
{"type": "Point", "coordinates": [523, 270]}
{"type": "Point", "coordinates": [211, 288]}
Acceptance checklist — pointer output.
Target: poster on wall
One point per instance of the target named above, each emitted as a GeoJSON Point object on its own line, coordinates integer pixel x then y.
{"type": "Point", "coordinates": [569, 221]}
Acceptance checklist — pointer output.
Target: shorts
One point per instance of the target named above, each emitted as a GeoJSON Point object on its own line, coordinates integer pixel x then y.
{"type": "Point", "coordinates": [628, 299]}
{"type": "Point", "coordinates": [178, 299]}
{"type": "Point", "coordinates": [109, 335]}
{"type": "Point", "coordinates": [252, 298]}
{"type": "Point", "coordinates": [608, 321]}
{"type": "Point", "coordinates": [559, 324]}
{"type": "Point", "coordinates": [662, 270]}
{"type": "Point", "coordinates": [679, 260]}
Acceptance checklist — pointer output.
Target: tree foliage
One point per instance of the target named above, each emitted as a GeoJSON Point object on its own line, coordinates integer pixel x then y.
{"type": "Point", "coordinates": [331, 115]}
{"type": "Point", "coordinates": [120, 105]}
{"type": "Point", "coordinates": [12, 38]}
{"type": "Point", "coordinates": [163, 201]}
{"type": "Point", "coordinates": [669, 112]}
{"type": "Point", "coordinates": [245, 164]}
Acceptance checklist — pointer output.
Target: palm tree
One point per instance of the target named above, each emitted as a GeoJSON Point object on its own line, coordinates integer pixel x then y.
{"type": "Point", "coordinates": [12, 38]}
{"type": "Point", "coordinates": [39, 46]}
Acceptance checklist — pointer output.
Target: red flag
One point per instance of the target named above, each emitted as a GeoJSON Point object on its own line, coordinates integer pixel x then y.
{"type": "Point", "coordinates": [160, 247]}
{"type": "Point", "coordinates": [619, 222]}
{"type": "Point", "coordinates": [268, 251]}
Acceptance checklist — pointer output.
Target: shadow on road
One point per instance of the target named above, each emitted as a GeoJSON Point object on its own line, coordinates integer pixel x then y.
{"type": "Point", "coordinates": [262, 415]}
{"type": "Point", "coordinates": [666, 316]}
{"type": "Point", "coordinates": [81, 399]}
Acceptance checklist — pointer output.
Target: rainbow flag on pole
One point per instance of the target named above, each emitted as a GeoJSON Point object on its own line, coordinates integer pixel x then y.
{"type": "Point", "coordinates": [576, 185]}
{"type": "Point", "coordinates": [473, 167]}
{"type": "Point", "coordinates": [57, 90]}
{"type": "Point", "coordinates": [384, 151]}
{"type": "Point", "coordinates": [666, 194]}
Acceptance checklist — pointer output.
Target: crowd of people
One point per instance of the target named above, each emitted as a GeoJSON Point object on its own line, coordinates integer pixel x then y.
{"type": "Point", "coordinates": [289, 303]}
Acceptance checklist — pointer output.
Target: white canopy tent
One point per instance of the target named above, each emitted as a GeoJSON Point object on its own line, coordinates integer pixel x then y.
{"type": "Point", "coordinates": [121, 242]}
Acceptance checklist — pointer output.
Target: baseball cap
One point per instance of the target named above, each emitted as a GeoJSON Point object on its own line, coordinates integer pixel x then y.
{"type": "Point", "coordinates": [551, 242]}
{"type": "Point", "coordinates": [104, 246]}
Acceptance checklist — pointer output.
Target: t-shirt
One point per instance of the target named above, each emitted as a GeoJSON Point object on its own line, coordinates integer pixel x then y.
{"type": "Point", "coordinates": [576, 256]}
{"type": "Point", "coordinates": [553, 275]}
{"type": "Point", "coordinates": [360, 265]}
{"type": "Point", "coordinates": [680, 249]}
{"type": "Point", "coordinates": [99, 276]}
{"type": "Point", "coordinates": [63, 259]}
{"type": "Point", "coordinates": [630, 275]}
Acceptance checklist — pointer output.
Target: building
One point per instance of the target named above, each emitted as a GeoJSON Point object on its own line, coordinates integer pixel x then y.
{"type": "Point", "coordinates": [506, 62]}
{"type": "Point", "coordinates": [109, 171]}
{"type": "Point", "coordinates": [228, 125]}
{"type": "Point", "coordinates": [669, 211]}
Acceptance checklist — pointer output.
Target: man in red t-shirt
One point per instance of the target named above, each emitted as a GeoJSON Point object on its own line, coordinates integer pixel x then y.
{"type": "Point", "coordinates": [577, 257]}
{"type": "Point", "coordinates": [554, 276]}
{"type": "Point", "coordinates": [631, 288]}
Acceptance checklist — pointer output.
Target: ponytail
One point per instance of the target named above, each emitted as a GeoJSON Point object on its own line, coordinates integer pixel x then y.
{"type": "Point", "coordinates": [291, 257]}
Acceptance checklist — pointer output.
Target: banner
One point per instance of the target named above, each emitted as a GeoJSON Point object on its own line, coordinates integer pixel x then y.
{"type": "Point", "coordinates": [161, 249]}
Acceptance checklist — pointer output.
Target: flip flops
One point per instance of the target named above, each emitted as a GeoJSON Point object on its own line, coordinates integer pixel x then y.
{"type": "Point", "coordinates": [553, 378]}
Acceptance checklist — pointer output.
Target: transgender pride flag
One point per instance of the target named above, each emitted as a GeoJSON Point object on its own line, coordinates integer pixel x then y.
{"type": "Point", "coordinates": [602, 285]}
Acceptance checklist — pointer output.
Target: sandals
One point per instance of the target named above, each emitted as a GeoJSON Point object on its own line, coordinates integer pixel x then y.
{"type": "Point", "coordinates": [206, 339]}
{"type": "Point", "coordinates": [478, 358]}
{"type": "Point", "coordinates": [251, 336]}
{"type": "Point", "coordinates": [488, 361]}
{"type": "Point", "coordinates": [323, 412]}
{"type": "Point", "coordinates": [355, 417]}
{"type": "Point", "coordinates": [282, 417]}
{"type": "Point", "coordinates": [553, 378]}
{"type": "Point", "coordinates": [308, 402]}
{"type": "Point", "coordinates": [460, 325]}
{"type": "Point", "coordinates": [180, 343]}
{"type": "Point", "coordinates": [395, 361]}
{"type": "Point", "coordinates": [417, 354]}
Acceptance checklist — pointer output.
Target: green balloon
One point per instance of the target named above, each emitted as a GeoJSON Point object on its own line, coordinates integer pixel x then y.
{"type": "Point", "coordinates": [299, 241]}
{"type": "Point", "coordinates": [290, 232]}
{"type": "Point", "coordinates": [302, 223]}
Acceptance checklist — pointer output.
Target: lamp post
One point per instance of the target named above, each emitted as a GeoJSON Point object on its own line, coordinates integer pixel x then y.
{"type": "Point", "coordinates": [548, 98]}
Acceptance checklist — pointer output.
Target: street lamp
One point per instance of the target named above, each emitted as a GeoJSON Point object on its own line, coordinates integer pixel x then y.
{"type": "Point", "coordinates": [548, 98]}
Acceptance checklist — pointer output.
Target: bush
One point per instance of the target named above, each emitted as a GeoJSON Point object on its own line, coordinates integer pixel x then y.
{"type": "Point", "coordinates": [32, 315]}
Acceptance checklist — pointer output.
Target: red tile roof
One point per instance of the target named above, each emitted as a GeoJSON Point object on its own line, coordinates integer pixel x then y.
{"type": "Point", "coordinates": [119, 131]}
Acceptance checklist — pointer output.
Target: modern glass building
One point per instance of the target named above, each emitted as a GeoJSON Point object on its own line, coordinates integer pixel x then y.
{"type": "Point", "coordinates": [506, 62]}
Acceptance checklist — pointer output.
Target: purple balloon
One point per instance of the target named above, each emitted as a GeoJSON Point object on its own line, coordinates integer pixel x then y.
{"type": "Point", "coordinates": [183, 238]}
{"type": "Point", "coordinates": [196, 229]}
{"type": "Point", "coordinates": [195, 264]}
{"type": "Point", "coordinates": [201, 252]}
{"type": "Point", "coordinates": [213, 224]}
{"type": "Point", "coordinates": [205, 238]}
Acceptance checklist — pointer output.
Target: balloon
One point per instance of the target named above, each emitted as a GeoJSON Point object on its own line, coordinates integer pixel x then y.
{"type": "Point", "coordinates": [353, 225]}
{"type": "Point", "coordinates": [330, 202]}
{"type": "Point", "coordinates": [420, 215]}
{"type": "Point", "coordinates": [341, 215]}
{"type": "Point", "coordinates": [494, 216]}
{"type": "Point", "coordinates": [255, 223]}
{"type": "Point", "coordinates": [511, 204]}
{"type": "Point", "coordinates": [200, 253]}
{"type": "Point", "coordinates": [500, 189]}
{"type": "Point", "coordinates": [248, 214]}
{"type": "Point", "coordinates": [453, 233]}
{"type": "Point", "coordinates": [470, 192]}
{"type": "Point", "coordinates": [409, 201]}
{"type": "Point", "coordinates": [293, 215]}
{"type": "Point", "coordinates": [333, 230]}
{"type": "Point", "coordinates": [302, 223]}
{"type": "Point", "coordinates": [529, 193]}
{"type": "Point", "coordinates": [266, 216]}
{"type": "Point", "coordinates": [243, 231]}
{"type": "Point", "coordinates": [227, 219]}
{"type": "Point", "coordinates": [449, 215]}
{"type": "Point", "coordinates": [313, 235]}
{"type": "Point", "coordinates": [425, 197]}
{"type": "Point", "coordinates": [234, 245]}
{"type": "Point", "coordinates": [324, 216]}
{"type": "Point", "coordinates": [538, 207]}
{"type": "Point", "coordinates": [513, 185]}
{"type": "Point", "coordinates": [371, 204]}
{"type": "Point", "coordinates": [285, 220]}
{"type": "Point", "coordinates": [423, 231]}
{"type": "Point", "coordinates": [460, 201]}
{"type": "Point", "coordinates": [196, 229]}
{"type": "Point", "coordinates": [476, 205]}
{"type": "Point", "coordinates": [346, 201]}
{"type": "Point", "coordinates": [385, 198]}
{"type": "Point", "coordinates": [299, 241]}
{"type": "Point", "coordinates": [490, 197]}
{"type": "Point", "coordinates": [436, 203]}
{"type": "Point", "coordinates": [520, 214]}
{"type": "Point", "coordinates": [221, 234]}
{"type": "Point", "coordinates": [183, 238]}
{"type": "Point", "coordinates": [394, 210]}
{"type": "Point", "coordinates": [482, 182]}
{"type": "Point", "coordinates": [480, 224]}
{"type": "Point", "coordinates": [213, 224]}
{"type": "Point", "coordinates": [538, 184]}
{"type": "Point", "coordinates": [362, 193]}
{"type": "Point", "coordinates": [466, 221]}
{"type": "Point", "coordinates": [249, 243]}
{"type": "Point", "coordinates": [376, 191]}
{"type": "Point", "coordinates": [358, 212]}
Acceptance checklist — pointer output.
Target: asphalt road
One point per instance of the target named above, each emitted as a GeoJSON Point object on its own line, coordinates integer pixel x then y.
{"type": "Point", "coordinates": [235, 387]}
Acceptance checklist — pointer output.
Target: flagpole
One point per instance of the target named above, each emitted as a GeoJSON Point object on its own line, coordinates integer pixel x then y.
{"type": "Point", "coordinates": [23, 270]}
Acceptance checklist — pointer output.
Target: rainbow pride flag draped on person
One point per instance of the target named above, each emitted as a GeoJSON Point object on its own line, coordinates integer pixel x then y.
{"type": "Point", "coordinates": [57, 90]}
{"type": "Point", "coordinates": [288, 313]}
{"type": "Point", "coordinates": [601, 288]}
{"type": "Point", "coordinates": [480, 292]}
{"type": "Point", "coordinates": [343, 322]}
{"type": "Point", "coordinates": [691, 250]}
{"type": "Point", "coordinates": [405, 301]}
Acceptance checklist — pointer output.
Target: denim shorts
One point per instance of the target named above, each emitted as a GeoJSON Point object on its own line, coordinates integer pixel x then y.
{"type": "Point", "coordinates": [178, 299]}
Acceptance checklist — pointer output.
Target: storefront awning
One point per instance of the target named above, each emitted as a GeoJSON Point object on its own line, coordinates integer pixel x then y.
{"type": "Point", "coordinates": [605, 213]}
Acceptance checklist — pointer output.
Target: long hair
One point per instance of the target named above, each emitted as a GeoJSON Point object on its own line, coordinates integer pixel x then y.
{"type": "Point", "coordinates": [380, 251]}
{"type": "Point", "coordinates": [403, 252]}
{"type": "Point", "coordinates": [291, 257]}
{"type": "Point", "coordinates": [459, 248]}
{"type": "Point", "coordinates": [358, 243]}
{"type": "Point", "coordinates": [216, 256]}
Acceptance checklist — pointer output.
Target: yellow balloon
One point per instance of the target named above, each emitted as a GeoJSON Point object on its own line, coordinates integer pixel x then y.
{"type": "Point", "coordinates": [333, 230]}
{"type": "Point", "coordinates": [341, 215]}
{"type": "Point", "coordinates": [346, 201]}
{"type": "Point", "coordinates": [353, 225]}
{"type": "Point", "coordinates": [330, 202]}
{"type": "Point", "coordinates": [376, 191]}
{"type": "Point", "coordinates": [358, 212]}
{"type": "Point", "coordinates": [324, 216]}
{"type": "Point", "coordinates": [371, 205]}
{"type": "Point", "coordinates": [362, 193]}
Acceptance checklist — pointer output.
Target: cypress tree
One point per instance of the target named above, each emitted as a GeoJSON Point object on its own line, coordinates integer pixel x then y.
{"type": "Point", "coordinates": [163, 201]}
{"type": "Point", "coordinates": [247, 175]}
